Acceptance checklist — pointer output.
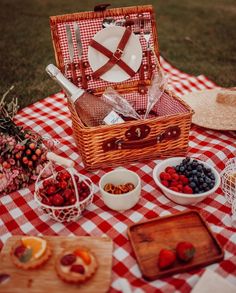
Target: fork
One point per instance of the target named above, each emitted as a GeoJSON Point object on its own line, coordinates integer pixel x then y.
{"type": "Point", "coordinates": [147, 37]}
{"type": "Point", "coordinates": [137, 32]}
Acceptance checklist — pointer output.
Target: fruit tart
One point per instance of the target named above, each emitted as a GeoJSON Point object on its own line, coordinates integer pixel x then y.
{"type": "Point", "coordinates": [76, 265]}
{"type": "Point", "coordinates": [30, 252]}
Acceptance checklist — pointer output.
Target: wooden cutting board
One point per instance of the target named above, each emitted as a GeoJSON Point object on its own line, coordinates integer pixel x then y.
{"type": "Point", "coordinates": [45, 278]}
{"type": "Point", "coordinates": [149, 237]}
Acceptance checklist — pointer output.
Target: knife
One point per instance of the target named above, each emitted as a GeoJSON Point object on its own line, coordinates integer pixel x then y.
{"type": "Point", "coordinates": [71, 53]}
{"type": "Point", "coordinates": [80, 54]}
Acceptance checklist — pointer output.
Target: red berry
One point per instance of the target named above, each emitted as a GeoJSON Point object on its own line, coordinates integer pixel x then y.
{"type": "Point", "coordinates": [30, 163]}
{"type": "Point", "coordinates": [72, 199]}
{"type": "Point", "coordinates": [38, 152]}
{"type": "Point", "coordinates": [68, 259]}
{"type": "Point", "coordinates": [32, 146]}
{"type": "Point", "coordinates": [28, 152]}
{"type": "Point", "coordinates": [162, 175]}
{"type": "Point", "coordinates": [65, 175]}
{"type": "Point", "coordinates": [51, 189]}
{"type": "Point", "coordinates": [68, 193]}
{"type": "Point", "coordinates": [187, 189]}
{"type": "Point", "coordinates": [77, 269]}
{"type": "Point", "coordinates": [165, 183]}
{"type": "Point", "coordinates": [175, 176]}
{"type": "Point", "coordinates": [174, 183]}
{"type": "Point", "coordinates": [185, 251]}
{"type": "Point", "coordinates": [170, 170]}
{"type": "Point", "coordinates": [46, 201]}
{"type": "Point", "coordinates": [83, 185]}
{"type": "Point", "coordinates": [48, 182]}
{"type": "Point", "coordinates": [166, 259]}
{"type": "Point", "coordinates": [25, 160]}
{"type": "Point", "coordinates": [34, 157]}
{"type": "Point", "coordinates": [6, 165]}
{"type": "Point", "coordinates": [57, 200]}
{"type": "Point", "coordinates": [183, 179]}
{"type": "Point", "coordinates": [19, 251]}
{"type": "Point", "coordinates": [180, 187]}
{"type": "Point", "coordinates": [174, 188]}
{"type": "Point", "coordinates": [63, 184]}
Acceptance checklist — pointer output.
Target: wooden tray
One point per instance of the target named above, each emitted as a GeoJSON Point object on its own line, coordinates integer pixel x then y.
{"type": "Point", "coordinates": [45, 278]}
{"type": "Point", "coordinates": [149, 237]}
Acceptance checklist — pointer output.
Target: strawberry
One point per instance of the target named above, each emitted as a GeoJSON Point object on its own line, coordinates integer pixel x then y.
{"type": "Point", "coordinates": [166, 259]}
{"type": "Point", "coordinates": [185, 251]}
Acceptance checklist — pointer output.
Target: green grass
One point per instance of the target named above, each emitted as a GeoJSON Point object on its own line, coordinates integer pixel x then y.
{"type": "Point", "coordinates": [198, 37]}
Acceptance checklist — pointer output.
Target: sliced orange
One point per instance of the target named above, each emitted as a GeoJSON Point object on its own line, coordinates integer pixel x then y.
{"type": "Point", "coordinates": [84, 255]}
{"type": "Point", "coordinates": [37, 244]}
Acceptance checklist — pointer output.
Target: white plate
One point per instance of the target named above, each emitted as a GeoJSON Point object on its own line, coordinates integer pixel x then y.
{"type": "Point", "coordinates": [110, 37]}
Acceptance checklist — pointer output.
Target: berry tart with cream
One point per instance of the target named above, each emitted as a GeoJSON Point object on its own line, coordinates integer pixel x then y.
{"type": "Point", "coordinates": [76, 265]}
{"type": "Point", "coordinates": [30, 252]}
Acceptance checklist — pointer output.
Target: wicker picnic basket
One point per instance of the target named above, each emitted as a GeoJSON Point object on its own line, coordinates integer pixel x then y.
{"type": "Point", "coordinates": [163, 135]}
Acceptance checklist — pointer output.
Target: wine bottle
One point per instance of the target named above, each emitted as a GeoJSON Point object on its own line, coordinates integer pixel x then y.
{"type": "Point", "coordinates": [92, 110]}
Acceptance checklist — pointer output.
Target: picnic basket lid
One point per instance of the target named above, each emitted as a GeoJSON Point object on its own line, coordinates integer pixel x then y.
{"type": "Point", "coordinates": [90, 22]}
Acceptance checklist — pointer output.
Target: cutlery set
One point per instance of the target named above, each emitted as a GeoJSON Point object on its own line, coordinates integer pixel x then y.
{"type": "Point", "coordinates": [82, 66]}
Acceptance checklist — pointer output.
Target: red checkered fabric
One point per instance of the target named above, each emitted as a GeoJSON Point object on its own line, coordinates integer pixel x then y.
{"type": "Point", "coordinates": [19, 213]}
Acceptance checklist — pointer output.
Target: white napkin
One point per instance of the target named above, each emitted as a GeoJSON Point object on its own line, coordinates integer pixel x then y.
{"type": "Point", "coordinates": [212, 282]}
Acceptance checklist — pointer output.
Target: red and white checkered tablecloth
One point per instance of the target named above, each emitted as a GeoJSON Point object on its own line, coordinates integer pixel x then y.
{"type": "Point", "coordinates": [19, 213]}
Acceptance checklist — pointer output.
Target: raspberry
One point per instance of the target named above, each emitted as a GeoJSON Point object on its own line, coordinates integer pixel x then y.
{"type": "Point", "coordinates": [175, 176]}
{"type": "Point", "coordinates": [170, 170]}
{"type": "Point", "coordinates": [187, 189]}
{"type": "Point", "coordinates": [174, 183]}
{"type": "Point", "coordinates": [174, 188]}
{"type": "Point", "coordinates": [183, 179]}
{"type": "Point", "coordinates": [165, 183]}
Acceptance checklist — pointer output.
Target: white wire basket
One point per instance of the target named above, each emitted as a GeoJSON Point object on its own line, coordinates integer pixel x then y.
{"type": "Point", "coordinates": [228, 182]}
{"type": "Point", "coordinates": [65, 213]}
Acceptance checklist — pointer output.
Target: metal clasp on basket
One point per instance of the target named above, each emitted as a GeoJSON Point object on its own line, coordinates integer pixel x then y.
{"type": "Point", "coordinates": [117, 54]}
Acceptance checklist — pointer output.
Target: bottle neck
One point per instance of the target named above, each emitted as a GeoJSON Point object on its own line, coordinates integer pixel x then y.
{"type": "Point", "coordinates": [72, 91]}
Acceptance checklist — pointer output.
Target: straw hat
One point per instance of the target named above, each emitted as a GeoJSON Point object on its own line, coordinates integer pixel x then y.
{"type": "Point", "coordinates": [214, 109]}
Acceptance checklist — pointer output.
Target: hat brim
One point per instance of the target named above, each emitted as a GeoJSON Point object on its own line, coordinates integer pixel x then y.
{"type": "Point", "coordinates": [208, 112]}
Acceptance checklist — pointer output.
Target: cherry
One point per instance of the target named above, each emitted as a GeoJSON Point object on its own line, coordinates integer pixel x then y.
{"type": "Point", "coordinates": [77, 269]}
{"type": "Point", "coordinates": [68, 259]}
{"type": "Point", "coordinates": [51, 189]}
{"type": "Point", "coordinates": [57, 199]}
{"type": "Point", "coordinates": [68, 193]}
{"type": "Point", "coordinates": [63, 184]}
{"type": "Point", "coordinates": [19, 251]}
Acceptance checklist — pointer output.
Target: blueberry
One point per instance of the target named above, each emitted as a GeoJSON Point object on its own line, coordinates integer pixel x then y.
{"type": "Point", "coordinates": [212, 176]}
{"type": "Point", "coordinates": [195, 179]}
{"type": "Point", "coordinates": [208, 180]}
{"type": "Point", "coordinates": [204, 185]}
{"type": "Point", "coordinates": [192, 184]}
{"type": "Point", "coordinates": [190, 178]}
{"type": "Point", "coordinates": [196, 190]}
{"type": "Point", "coordinates": [177, 168]}
{"type": "Point", "coordinates": [189, 168]}
{"type": "Point", "coordinates": [182, 169]}
{"type": "Point", "coordinates": [211, 185]}
{"type": "Point", "coordinates": [194, 172]}
{"type": "Point", "coordinates": [201, 180]}
{"type": "Point", "coordinates": [199, 168]}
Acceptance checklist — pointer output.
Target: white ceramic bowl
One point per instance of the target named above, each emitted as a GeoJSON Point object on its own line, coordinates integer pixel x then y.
{"type": "Point", "coordinates": [125, 201]}
{"type": "Point", "coordinates": [178, 197]}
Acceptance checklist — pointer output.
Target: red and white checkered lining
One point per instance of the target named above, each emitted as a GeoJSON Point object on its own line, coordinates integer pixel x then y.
{"type": "Point", "coordinates": [19, 213]}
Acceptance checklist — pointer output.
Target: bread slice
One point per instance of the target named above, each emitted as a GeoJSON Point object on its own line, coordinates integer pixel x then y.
{"type": "Point", "coordinates": [227, 96]}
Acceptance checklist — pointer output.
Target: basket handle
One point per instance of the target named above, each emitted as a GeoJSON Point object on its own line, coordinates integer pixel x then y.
{"type": "Point", "coordinates": [60, 160]}
{"type": "Point", "coordinates": [171, 133]}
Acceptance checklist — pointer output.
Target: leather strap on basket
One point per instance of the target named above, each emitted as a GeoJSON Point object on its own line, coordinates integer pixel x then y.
{"type": "Point", "coordinates": [114, 58]}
